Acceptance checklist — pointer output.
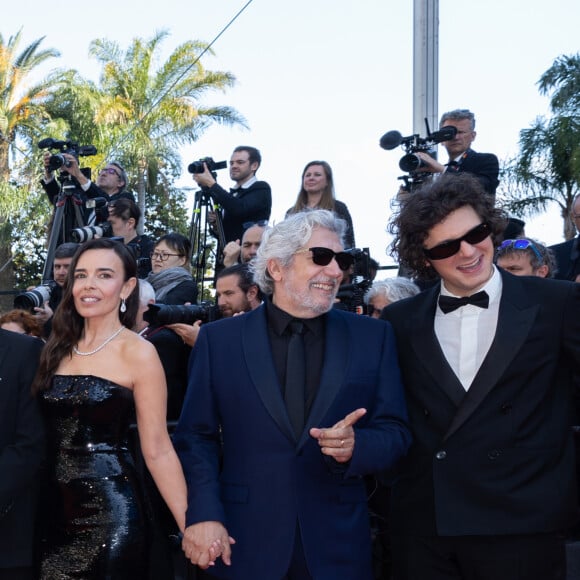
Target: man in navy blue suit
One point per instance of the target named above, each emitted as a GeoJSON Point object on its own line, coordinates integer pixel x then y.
{"type": "Point", "coordinates": [277, 488]}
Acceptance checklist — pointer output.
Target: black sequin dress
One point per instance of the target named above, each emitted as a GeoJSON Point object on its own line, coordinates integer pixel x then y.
{"type": "Point", "coordinates": [92, 522]}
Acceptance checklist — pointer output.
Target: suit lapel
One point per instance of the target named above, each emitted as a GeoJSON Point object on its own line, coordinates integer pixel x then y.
{"type": "Point", "coordinates": [258, 355]}
{"type": "Point", "coordinates": [428, 351]}
{"type": "Point", "coordinates": [336, 359]}
{"type": "Point", "coordinates": [515, 319]}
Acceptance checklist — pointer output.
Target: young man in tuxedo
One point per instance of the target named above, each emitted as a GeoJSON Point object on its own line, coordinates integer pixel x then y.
{"type": "Point", "coordinates": [488, 361]}
{"type": "Point", "coordinates": [274, 459]}
{"type": "Point", "coordinates": [462, 158]}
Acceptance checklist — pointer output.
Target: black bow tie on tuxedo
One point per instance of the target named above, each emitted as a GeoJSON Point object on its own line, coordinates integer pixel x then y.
{"type": "Point", "coordinates": [449, 303]}
{"type": "Point", "coordinates": [235, 190]}
{"type": "Point", "coordinates": [453, 166]}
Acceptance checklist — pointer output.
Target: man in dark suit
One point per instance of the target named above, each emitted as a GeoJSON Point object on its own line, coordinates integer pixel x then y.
{"type": "Point", "coordinates": [249, 201]}
{"type": "Point", "coordinates": [567, 253]}
{"type": "Point", "coordinates": [463, 159]}
{"type": "Point", "coordinates": [276, 461]}
{"type": "Point", "coordinates": [488, 359]}
{"type": "Point", "coordinates": [21, 452]}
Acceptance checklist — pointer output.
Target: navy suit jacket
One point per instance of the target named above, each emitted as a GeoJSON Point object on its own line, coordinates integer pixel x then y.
{"type": "Point", "coordinates": [567, 255]}
{"type": "Point", "coordinates": [499, 458]}
{"type": "Point", "coordinates": [21, 447]}
{"type": "Point", "coordinates": [244, 467]}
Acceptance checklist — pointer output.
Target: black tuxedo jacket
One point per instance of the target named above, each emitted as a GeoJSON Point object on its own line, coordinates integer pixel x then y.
{"type": "Point", "coordinates": [251, 204]}
{"type": "Point", "coordinates": [21, 447]}
{"type": "Point", "coordinates": [499, 458]}
{"type": "Point", "coordinates": [484, 166]}
{"type": "Point", "coordinates": [567, 256]}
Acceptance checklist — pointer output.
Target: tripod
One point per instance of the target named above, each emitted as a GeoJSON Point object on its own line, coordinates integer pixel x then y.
{"type": "Point", "coordinates": [206, 252]}
{"type": "Point", "coordinates": [67, 216]}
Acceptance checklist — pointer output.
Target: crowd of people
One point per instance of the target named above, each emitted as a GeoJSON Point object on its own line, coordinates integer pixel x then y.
{"type": "Point", "coordinates": [148, 435]}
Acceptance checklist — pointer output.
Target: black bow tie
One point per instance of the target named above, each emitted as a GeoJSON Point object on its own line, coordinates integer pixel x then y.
{"type": "Point", "coordinates": [449, 303]}
{"type": "Point", "coordinates": [235, 190]}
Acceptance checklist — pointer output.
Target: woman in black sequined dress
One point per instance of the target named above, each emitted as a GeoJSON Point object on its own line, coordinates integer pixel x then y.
{"type": "Point", "coordinates": [94, 373]}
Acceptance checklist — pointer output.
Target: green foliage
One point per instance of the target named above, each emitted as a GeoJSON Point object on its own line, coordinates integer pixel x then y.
{"type": "Point", "coordinates": [547, 169]}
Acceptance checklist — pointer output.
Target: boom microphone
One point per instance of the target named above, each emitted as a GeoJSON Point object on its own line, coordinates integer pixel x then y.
{"type": "Point", "coordinates": [390, 140]}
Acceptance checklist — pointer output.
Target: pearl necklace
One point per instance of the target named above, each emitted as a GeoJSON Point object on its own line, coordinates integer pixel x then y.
{"type": "Point", "coordinates": [94, 351]}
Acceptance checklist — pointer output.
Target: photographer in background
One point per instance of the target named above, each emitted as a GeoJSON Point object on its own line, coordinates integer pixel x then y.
{"type": "Point", "coordinates": [462, 158]}
{"type": "Point", "coordinates": [124, 216]}
{"type": "Point", "coordinates": [250, 200]}
{"type": "Point", "coordinates": [111, 183]}
{"type": "Point", "coordinates": [63, 256]}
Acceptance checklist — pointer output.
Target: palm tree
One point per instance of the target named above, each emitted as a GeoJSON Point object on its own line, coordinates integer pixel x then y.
{"type": "Point", "coordinates": [21, 114]}
{"type": "Point", "coordinates": [147, 113]}
{"type": "Point", "coordinates": [562, 79]}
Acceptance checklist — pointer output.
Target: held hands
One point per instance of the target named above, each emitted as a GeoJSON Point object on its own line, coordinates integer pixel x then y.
{"type": "Point", "coordinates": [203, 543]}
{"type": "Point", "coordinates": [338, 440]}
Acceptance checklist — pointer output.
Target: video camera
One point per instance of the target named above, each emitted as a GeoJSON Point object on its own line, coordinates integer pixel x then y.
{"type": "Point", "coordinates": [197, 166]}
{"type": "Point", "coordinates": [411, 162]}
{"type": "Point", "coordinates": [58, 160]}
{"type": "Point", "coordinates": [351, 295]}
{"type": "Point", "coordinates": [162, 314]}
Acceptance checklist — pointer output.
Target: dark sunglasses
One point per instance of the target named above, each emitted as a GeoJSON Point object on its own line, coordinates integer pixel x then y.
{"type": "Point", "coordinates": [323, 257]}
{"type": "Point", "coordinates": [521, 244]}
{"type": "Point", "coordinates": [110, 171]}
{"type": "Point", "coordinates": [260, 223]}
{"type": "Point", "coordinates": [447, 249]}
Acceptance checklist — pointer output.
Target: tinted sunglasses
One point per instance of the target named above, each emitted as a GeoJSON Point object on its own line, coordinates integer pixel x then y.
{"type": "Point", "coordinates": [447, 249]}
{"type": "Point", "coordinates": [521, 244]}
{"type": "Point", "coordinates": [323, 257]}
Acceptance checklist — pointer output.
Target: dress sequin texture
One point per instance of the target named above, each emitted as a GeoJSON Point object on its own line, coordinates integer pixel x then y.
{"type": "Point", "coordinates": [92, 519]}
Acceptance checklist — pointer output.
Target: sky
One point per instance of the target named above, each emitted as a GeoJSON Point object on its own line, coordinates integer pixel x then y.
{"type": "Point", "coordinates": [325, 79]}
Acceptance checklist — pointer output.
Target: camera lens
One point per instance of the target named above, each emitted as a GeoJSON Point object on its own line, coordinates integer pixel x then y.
{"type": "Point", "coordinates": [34, 298]}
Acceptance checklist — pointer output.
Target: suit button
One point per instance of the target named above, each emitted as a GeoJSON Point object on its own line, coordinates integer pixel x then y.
{"type": "Point", "coordinates": [494, 454]}
{"type": "Point", "coordinates": [505, 409]}
{"type": "Point", "coordinates": [440, 455]}
{"type": "Point", "coordinates": [426, 412]}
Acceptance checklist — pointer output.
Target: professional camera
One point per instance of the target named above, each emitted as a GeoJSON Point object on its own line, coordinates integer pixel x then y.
{"type": "Point", "coordinates": [80, 235]}
{"type": "Point", "coordinates": [58, 160]}
{"type": "Point", "coordinates": [162, 314]}
{"type": "Point", "coordinates": [351, 295]}
{"type": "Point", "coordinates": [36, 297]}
{"type": "Point", "coordinates": [197, 166]}
{"type": "Point", "coordinates": [411, 162]}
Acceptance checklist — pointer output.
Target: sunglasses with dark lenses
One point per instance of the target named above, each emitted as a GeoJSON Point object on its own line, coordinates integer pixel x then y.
{"type": "Point", "coordinates": [110, 171]}
{"type": "Point", "coordinates": [448, 249]}
{"type": "Point", "coordinates": [323, 257]}
{"type": "Point", "coordinates": [521, 244]}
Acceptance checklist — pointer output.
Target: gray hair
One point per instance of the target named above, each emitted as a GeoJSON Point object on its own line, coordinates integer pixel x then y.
{"type": "Point", "coordinates": [146, 293]}
{"type": "Point", "coordinates": [283, 240]}
{"type": "Point", "coordinates": [458, 115]}
{"type": "Point", "coordinates": [392, 289]}
{"type": "Point", "coordinates": [122, 172]}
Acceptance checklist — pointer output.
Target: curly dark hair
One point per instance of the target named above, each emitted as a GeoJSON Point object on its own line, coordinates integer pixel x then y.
{"type": "Point", "coordinates": [429, 206]}
{"type": "Point", "coordinates": [68, 324]}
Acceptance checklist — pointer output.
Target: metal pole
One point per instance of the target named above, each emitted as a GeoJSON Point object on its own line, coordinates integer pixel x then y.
{"type": "Point", "coordinates": [425, 64]}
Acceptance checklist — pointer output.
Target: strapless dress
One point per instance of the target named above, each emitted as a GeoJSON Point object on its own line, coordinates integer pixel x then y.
{"type": "Point", "coordinates": [92, 519]}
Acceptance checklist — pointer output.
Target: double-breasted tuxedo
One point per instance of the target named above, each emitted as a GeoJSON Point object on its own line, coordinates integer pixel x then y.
{"type": "Point", "coordinates": [268, 482]}
{"type": "Point", "coordinates": [484, 166]}
{"type": "Point", "coordinates": [499, 458]}
{"type": "Point", "coordinates": [21, 447]}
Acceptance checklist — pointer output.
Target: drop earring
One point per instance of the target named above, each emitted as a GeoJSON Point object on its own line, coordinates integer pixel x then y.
{"type": "Point", "coordinates": [123, 307]}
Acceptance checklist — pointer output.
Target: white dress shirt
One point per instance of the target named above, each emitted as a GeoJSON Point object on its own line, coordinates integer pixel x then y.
{"type": "Point", "coordinates": [466, 334]}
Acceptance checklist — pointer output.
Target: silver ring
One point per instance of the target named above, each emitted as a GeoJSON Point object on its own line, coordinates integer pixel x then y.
{"type": "Point", "coordinates": [342, 442]}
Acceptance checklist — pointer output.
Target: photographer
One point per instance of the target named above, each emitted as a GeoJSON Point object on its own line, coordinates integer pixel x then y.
{"type": "Point", "coordinates": [63, 256]}
{"type": "Point", "coordinates": [111, 183]}
{"type": "Point", "coordinates": [124, 216]}
{"type": "Point", "coordinates": [249, 201]}
{"type": "Point", "coordinates": [462, 158]}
